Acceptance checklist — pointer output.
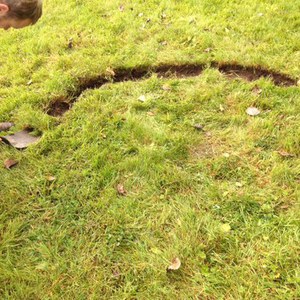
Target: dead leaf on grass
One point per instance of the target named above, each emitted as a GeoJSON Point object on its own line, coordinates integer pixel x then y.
{"type": "Point", "coordinates": [70, 43]}
{"type": "Point", "coordinates": [208, 50]}
{"type": "Point", "coordinates": [121, 8]}
{"type": "Point", "coordinates": [9, 163]}
{"type": "Point", "coordinates": [285, 153]}
{"type": "Point", "coordinates": [21, 139]}
{"type": "Point", "coordinates": [256, 90]}
{"type": "Point", "coordinates": [166, 87]}
{"type": "Point", "coordinates": [163, 16]}
{"type": "Point", "coordinates": [253, 111]}
{"type": "Point", "coordinates": [121, 190]}
{"type": "Point", "coordinates": [142, 98]}
{"type": "Point", "coordinates": [110, 72]}
{"type": "Point", "coordinates": [175, 264]}
{"type": "Point", "coordinates": [4, 126]}
{"type": "Point", "coordinates": [51, 178]}
{"type": "Point", "coordinates": [199, 127]}
{"type": "Point", "coordinates": [225, 228]}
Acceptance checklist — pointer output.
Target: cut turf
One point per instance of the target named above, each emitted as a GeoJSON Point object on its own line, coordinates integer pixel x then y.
{"type": "Point", "coordinates": [223, 199]}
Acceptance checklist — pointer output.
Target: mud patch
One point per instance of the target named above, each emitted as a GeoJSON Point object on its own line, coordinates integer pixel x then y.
{"type": "Point", "coordinates": [232, 70]}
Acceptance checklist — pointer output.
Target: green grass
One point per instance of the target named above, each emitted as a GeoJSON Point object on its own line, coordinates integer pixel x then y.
{"type": "Point", "coordinates": [75, 237]}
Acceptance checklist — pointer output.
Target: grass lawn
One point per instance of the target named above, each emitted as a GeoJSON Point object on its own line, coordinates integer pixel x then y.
{"type": "Point", "coordinates": [223, 197]}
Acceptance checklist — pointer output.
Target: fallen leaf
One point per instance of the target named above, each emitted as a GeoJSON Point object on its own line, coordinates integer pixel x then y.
{"type": "Point", "coordinates": [286, 206]}
{"type": "Point", "coordinates": [116, 273]}
{"type": "Point", "coordinates": [110, 72]}
{"type": "Point", "coordinates": [50, 178]}
{"type": "Point", "coordinates": [175, 264]}
{"type": "Point", "coordinates": [6, 126]}
{"type": "Point", "coordinates": [285, 154]}
{"type": "Point", "coordinates": [150, 113]}
{"type": "Point", "coordinates": [163, 16]}
{"type": "Point", "coordinates": [140, 15]}
{"type": "Point", "coordinates": [9, 163]}
{"type": "Point", "coordinates": [221, 108]}
{"type": "Point", "coordinates": [21, 139]}
{"type": "Point", "coordinates": [121, 8]}
{"type": "Point", "coordinates": [256, 90]}
{"type": "Point", "coordinates": [121, 190]}
{"type": "Point", "coordinates": [208, 50]}
{"type": "Point", "coordinates": [252, 111]}
{"type": "Point", "coordinates": [70, 44]}
{"type": "Point", "coordinates": [142, 98]}
{"type": "Point", "coordinates": [29, 82]}
{"type": "Point", "coordinates": [225, 228]}
{"type": "Point", "coordinates": [238, 184]}
{"type": "Point", "coordinates": [199, 127]}
{"type": "Point", "coordinates": [164, 43]}
{"type": "Point", "coordinates": [166, 87]}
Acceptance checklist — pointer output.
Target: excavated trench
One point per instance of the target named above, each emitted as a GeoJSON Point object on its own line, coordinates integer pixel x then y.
{"type": "Point", "coordinates": [250, 73]}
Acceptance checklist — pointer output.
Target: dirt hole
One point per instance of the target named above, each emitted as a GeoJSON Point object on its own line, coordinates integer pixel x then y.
{"type": "Point", "coordinates": [58, 108]}
{"type": "Point", "coordinates": [250, 73]}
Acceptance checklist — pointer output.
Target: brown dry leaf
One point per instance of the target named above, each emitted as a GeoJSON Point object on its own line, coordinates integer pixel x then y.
{"type": "Point", "coordinates": [285, 154]}
{"type": "Point", "coordinates": [110, 72]}
{"type": "Point", "coordinates": [175, 264]}
{"type": "Point", "coordinates": [121, 190]}
{"type": "Point", "coordinates": [285, 206]}
{"type": "Point", "coordinates": [150, 113]}
{"type": "Point", "coordinates": [9, 163]}
{"type": "Point", "coordinates": [121, 8]}
{"type": "Point", "coordinates": [252, 111]}
{"type": "Point", "coordinates": [6, 126]}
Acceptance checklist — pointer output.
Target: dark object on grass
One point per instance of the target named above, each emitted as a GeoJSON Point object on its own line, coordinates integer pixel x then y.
{"type": "Point", "coordinates": [199, 127]}
{"type": "Point", "coordinates": [9, 163]}
{"type": "Point", "coordinates": [6, 126]}
{"type": "Point", "coordinates": [21, 139]}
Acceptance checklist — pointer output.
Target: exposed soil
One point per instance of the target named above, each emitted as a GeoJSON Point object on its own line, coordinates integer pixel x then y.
{"type": "Point", "coordinates": [58, 107]}
{"type": "Point", "coordinates": [250, 73]}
